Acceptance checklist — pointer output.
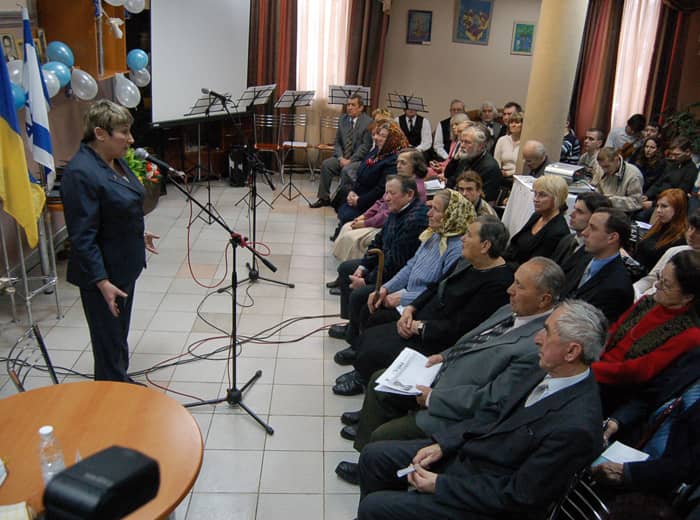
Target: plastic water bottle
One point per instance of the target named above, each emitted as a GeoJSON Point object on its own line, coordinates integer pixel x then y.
{"type": "Point", "coordinates": [50, 454]}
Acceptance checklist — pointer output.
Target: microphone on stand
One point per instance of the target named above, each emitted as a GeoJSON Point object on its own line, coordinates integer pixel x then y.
{"type": "Point", "coordinates": [142, 154]}
{"type": "Point", "coordinates": [224, 99]}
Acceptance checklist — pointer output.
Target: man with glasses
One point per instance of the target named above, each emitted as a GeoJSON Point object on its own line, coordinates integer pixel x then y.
{"type": "Point", "coordinates": [443, 133]}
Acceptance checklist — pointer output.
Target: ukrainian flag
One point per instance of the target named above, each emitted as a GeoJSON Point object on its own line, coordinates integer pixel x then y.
{"type": "Point", "coordinates": [21, 199]}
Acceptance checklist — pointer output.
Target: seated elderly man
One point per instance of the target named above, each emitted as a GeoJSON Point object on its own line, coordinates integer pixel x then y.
{"type": "Point", "coordinates": [518, 465]}
{"type": "Point", "coordinates": [352, 142]}
{"type": "Point", "coordinates": [478, 372]}
{"type": "Point", "coordinates": [621, 181]}
{"type": "Point", "coordinates": [488, 115]}
{"type": "Point", "coordinates": [475, 156]}
{"type": "Point", "coordinates": [535, 158]}
{"type": "Point", "coordinates": [443, 133]}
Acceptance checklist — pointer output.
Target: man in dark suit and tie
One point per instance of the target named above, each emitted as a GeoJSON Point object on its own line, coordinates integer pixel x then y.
{"type": "Point", "coordinates": [352, 143]}
{"type": "Point", "coordinates": [597, 274]}
{"type": "Point", "coordinates": [518, 465]}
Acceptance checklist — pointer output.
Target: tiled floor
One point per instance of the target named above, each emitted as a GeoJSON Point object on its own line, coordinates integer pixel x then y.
{"type": "Point", "coordinates": [245, 473]}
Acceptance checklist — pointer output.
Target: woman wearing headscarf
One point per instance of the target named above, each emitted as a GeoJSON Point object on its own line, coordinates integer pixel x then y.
{"type": "Point", "coordinates": [371, 176]}
{"type": "Point", "coordinates": [440, 248]}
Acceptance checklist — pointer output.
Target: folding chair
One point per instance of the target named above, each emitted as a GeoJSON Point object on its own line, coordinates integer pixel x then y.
{"type": "Point", "coordinates": [581, 502]}
{"type": "Point", "coordinates": [329, 128]}
{"type": "Point", "coordinates": [266, 129]}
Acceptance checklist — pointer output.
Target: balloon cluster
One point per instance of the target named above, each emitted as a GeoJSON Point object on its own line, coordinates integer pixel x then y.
{"type": "Point", "coordinates": [57, 73]}
{"type": "Point", "coordinates": [133, 6]}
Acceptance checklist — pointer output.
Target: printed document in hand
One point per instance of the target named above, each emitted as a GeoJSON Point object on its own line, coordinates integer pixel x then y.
{"type": "Point", "coordinates": [407, 371]}
{"type": "Point", "coordinates": [620, 453]}
{"type": "Point", "coordinates": [434, 184]}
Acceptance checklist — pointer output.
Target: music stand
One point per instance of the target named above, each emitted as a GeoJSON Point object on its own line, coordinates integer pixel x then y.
{"type": "Point", "coordinates": [292, 99]}
{"type": "Point", "coordinates": [406, 102]}
{"type": "Point", "coordinates": [257, 95]}
{"type": "Point", "coordinates": [206, 105]}
{"type": "Point", "coordinates": [339, 94]}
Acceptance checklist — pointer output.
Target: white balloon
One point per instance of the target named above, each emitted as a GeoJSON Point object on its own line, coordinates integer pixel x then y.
{"type": "Point", "coordinates": [140, 77]}
{"type": "Point", "coordinates": [15, 68]}
{"type": "Point", "coordinates": [126, 92]}
{"type": "Point", "coordinates": [134, 6]}
{"type": "Point", "coordinates": [115, 3]}
{"type": "Point", "coordinates": [83, 85]}
{"type": "Point", "coordinates": [52, 83]}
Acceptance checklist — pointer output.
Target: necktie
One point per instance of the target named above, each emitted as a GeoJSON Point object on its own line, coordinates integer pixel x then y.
{"type": "Point", "coordinates": [586, 274]}
{"type": "Point", "coordinates": [461, 349]}
{"type": "Point", "coordinates": [536, 394]}
{"type": "Point", "coordinates": [668, 413]}
{"type": "Point", "coordinates": [410, 125]}
{"type": "Point", "coordinates": [347, 150]}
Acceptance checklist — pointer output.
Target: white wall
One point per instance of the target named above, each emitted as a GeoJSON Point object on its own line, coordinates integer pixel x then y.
{"type": "Point", "coordinates": [445, 70]}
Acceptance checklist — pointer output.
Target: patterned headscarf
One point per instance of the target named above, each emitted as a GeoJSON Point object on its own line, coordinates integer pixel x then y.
{"type": "Point", "coordinates": [395, 141]}
{"type": "Point", "coordinates": [457, 217]}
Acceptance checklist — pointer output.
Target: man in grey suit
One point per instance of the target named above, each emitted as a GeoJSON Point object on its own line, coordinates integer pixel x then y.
{"type": "Point", "coordinates": [478, 373]}
{"type": "Point", "coordinates": [352, 142]}
{"type": "Point", "coordinates": [548, 429]}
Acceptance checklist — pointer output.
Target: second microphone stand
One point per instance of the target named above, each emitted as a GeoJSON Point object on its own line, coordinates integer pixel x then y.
{"type": "Point", "coordinates": [234, 395]}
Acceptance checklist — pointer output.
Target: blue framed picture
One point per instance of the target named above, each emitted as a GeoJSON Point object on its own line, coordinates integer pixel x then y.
{"type": "Point", "coordinates": [523, 38]}
{"type": "Point", "coordinates": [419, 26]}
{"type": "Point", "coordinates": [472, 21]}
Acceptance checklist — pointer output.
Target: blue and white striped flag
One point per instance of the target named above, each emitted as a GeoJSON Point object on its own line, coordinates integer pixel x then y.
{"type": "Point", "coordinates": [36, 114]}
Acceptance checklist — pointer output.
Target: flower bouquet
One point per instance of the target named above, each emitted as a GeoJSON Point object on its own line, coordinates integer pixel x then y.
{"type": "Point", "coordinates": [149, 175]}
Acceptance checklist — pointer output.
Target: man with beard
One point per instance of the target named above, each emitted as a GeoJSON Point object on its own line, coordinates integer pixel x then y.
{"type": "Point", "coordinates": [474, 156]}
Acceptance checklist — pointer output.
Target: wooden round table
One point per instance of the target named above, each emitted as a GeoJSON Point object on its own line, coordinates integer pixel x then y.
{"type": "Point", "coordinates": [93, 415]}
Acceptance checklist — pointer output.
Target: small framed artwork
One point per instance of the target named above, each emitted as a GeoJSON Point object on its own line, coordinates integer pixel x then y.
{"type": "Point", "coordinates": [523, 38]}
{"type": "Point", "coordinates": [9, 47]}
{"type": "Point", "coordinates": [472, 21]}
{"type": "Point", "coordinates": [419, 26]}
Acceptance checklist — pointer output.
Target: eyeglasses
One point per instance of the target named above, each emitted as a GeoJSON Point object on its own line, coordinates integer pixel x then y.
{"type": "Point", "coordinates": [664, 285]}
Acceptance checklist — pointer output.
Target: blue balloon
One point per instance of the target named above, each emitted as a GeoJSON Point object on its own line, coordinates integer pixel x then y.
{"type": "Point", "coordinates": [59, 51]}
{"type": "Point", "coordinates": [62, 72]}
{"type": "Point", "coordinates": [136, 59]}
{"type": "Point", "coordinates": [19, 96]}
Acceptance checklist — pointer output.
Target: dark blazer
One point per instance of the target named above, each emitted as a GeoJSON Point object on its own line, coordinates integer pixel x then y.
{"type": "Point", "coordinates": [481, 381]}
{"type": "Point", "coordinates": [610, 289]}
{"type": "Point", "coordinates": [542, 244]}
{"type": "Point", "coordinates": [565, 248]}
{"type": "Point", "coordinates": [104, 216]}
{"type": "Point", "coordinates": [681, 459]}
{"type": "Point", "coordinates": [676, 175]}
{"type": "Point", "coordinates": [371, 180]}
{"type": "Point", "coordinates": [487, 167]}
{"type": "Point", "coordinates": [525, 460]}
{"type": "Point", "coordinates": [362, 141]}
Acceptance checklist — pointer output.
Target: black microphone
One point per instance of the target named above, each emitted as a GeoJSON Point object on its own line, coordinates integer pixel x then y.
{"type": "Point", "coordinates": [142, 154]}
{"type": "Point", "coordinates": [223, 98]}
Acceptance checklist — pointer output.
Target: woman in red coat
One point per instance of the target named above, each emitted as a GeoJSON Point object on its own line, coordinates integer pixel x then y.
{"type": "Point", "coordinates": [656, 330]}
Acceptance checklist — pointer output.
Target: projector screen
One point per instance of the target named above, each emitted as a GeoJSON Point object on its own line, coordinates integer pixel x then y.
{"type": "Point", "coordinates": [196, 44]}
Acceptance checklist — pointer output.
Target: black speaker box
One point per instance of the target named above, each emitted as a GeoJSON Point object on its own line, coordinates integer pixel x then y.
{"type": "Point", "coordinates": [107, 485]}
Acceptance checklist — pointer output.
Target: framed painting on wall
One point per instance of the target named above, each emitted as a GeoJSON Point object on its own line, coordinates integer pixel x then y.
{"type": "Point", "coordinates": [472, 21]}
{"type": "Point", "coordinates": [419, 26]}
{"type": "Point", "coordinates": [523, 38]}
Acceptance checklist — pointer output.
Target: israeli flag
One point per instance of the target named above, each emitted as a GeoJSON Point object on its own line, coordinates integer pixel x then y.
{"type": "Point", "coordinates": [36, 114]}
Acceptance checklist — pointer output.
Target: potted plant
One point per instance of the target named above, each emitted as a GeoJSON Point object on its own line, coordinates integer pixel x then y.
{"type": "Point", "coordinates": [685, 123]}
{"type": "Point", "coordinates": [149, 175]}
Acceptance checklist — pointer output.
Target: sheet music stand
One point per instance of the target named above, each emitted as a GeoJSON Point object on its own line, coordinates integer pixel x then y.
{"type": "Point", "coordinates": [339, 94]}
{"type": "Point", "coordinates": [257, 95]}
{"type": "Point", "coordinates": [207, 105]}
{"type": "Point", "coordinates": [292, 99]}
{"type": "Point", "coordinates": [406, 102]}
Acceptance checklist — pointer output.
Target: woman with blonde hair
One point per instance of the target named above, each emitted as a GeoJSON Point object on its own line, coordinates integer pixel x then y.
{"type": "Point", "coordinates": [542, 232]}
{"type": "Point", "coordinates": [508, 146]}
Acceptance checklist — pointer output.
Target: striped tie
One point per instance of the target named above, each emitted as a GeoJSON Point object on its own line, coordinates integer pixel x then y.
{"type": "Point", "coordinates": [347, 150]}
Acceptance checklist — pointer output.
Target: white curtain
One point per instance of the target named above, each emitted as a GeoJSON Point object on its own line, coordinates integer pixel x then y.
{"type": "Point", "coordinates": [637, 38]}
{"type": "Point", "coordinates": [322, 36]}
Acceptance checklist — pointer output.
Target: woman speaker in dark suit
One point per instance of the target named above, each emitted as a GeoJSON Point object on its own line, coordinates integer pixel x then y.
{"type": "Point", "coordinates": [103, 207]}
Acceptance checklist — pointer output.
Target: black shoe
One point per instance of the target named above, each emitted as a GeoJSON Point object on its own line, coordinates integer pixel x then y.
{"type": "Point", "coordinates": [350, 386]}
{"type": "Point", "coordinates": [335, 291]}
{"type": "Point", "coordinates": [320, 203]}
{"type": "Point", "coordinates": [348, 472]}
{"type": "Point", "coordinates": [349, 432]}
{"type": "Point", "coordinates": [337, 331]}
{"type": "Point", "coordinates": [346, 376]}
{"type": "Point", "coordinates": [350, 418]}
{"type": "Point", "coordinates": [333, 284]}
{"type": "Point", "coordinates": [335, 234]}
{"type": "Point", "coordinates": [345, 357]}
